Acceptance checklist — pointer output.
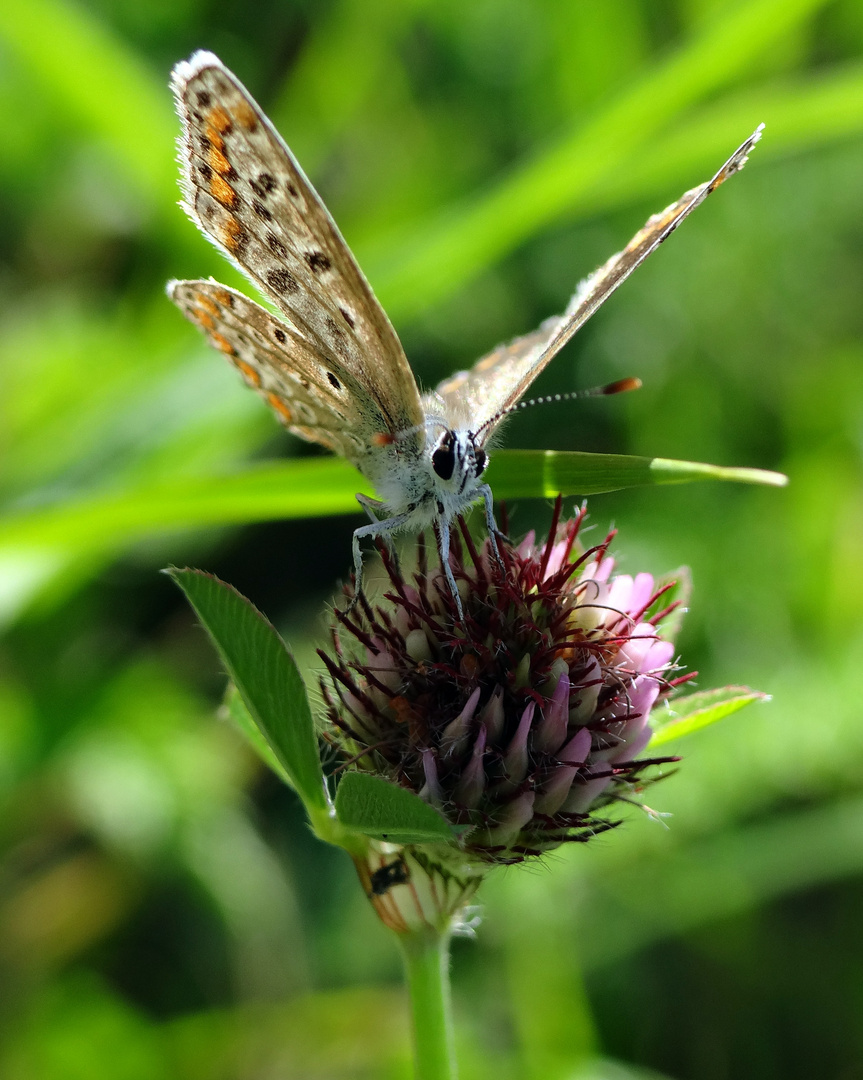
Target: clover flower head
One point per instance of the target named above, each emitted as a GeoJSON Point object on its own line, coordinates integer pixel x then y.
{"type": "Point", "coordinates": [522, 722]}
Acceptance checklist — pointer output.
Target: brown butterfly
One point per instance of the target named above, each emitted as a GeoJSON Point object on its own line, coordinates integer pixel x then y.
{"type": "Point", "coordinates": [331, 365]}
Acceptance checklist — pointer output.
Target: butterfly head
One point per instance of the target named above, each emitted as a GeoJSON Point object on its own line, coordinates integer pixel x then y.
{"type": "Point", "coordinates": [457, 462]}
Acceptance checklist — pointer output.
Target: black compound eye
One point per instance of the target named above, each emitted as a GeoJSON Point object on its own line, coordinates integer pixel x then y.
{"type": "Point", "coordinates": [443, 461]}
{"type": "Point", "coordinates": [481, 459]}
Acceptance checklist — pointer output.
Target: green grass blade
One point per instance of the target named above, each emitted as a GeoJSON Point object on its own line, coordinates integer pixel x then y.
{"type": "Point", "coordinates": [548, 473]}
{"type": "Point", "coordinates": [323, 486]}
{"type": "Point", "coordinates": [466, 239]}
{"type": "Point", "coordinates": [102, 85]}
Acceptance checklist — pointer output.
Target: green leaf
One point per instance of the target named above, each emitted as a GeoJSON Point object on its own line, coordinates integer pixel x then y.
{"type": "Point", "coordinates": [306, 488]}
{"type": "Point", "coordinates": [384, 811]}
{"type": "Point", "coordinates": [265, 675]}
{"type": "Point", "coordinates": [236, 711]}
{"type": "Point", "coordinates": [688, 714]}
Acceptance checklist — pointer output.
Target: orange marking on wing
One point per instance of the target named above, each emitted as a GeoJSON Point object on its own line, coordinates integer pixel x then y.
{"type": "Point", "coordinates": [207, 304]}
{"type": "Point", "coordinates": [383, 438]}
{"type": "Point", "coordinates": [656, 224]}
{"type": "Point", "coordinates": [223, 192]}
{"type": "Point", "coordinates": [222, 344]}
{"type": "Point", "coordinates": [281, 408]}
{"type": "Point", "coordinates": [232, 235]}
{"type": "Point", "coordinates": [218, 119]}
{"type": "Point", "coordinates": [205, 320]}
{"type": "Point", "coordinates": [224, 298]}
{"type": "Point", "coordinates": [218, 162]}
{"type": "Point", "coordinates": [250, 374]}
{"type": "Point", "coordinates": [215, 140]}
{"type": "Point", "coordinates": [245, 114]}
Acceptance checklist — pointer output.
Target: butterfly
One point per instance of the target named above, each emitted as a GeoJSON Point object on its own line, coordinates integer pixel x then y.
{"type": "Point", "coordinates": [330, 365]}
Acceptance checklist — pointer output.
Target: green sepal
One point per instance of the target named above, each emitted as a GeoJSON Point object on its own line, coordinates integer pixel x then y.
{"type": "Point", "coordinates": [683, 716]}
{"type": "Point", "coordinates": [384, 811]}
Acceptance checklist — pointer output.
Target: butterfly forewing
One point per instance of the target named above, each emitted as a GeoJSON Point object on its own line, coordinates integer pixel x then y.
{"type": "Point", "coordinates": [246, 192]}
{"type": "Point", "coordinates": [499, 380]}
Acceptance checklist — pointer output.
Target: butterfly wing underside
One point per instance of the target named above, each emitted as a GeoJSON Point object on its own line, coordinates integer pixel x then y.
{"type": "Point", "coordinates": [245, 191]}
{"type": "Point", "coordinates": [498, 381]}
{"type": "Point", "coordinates": [315, 397]}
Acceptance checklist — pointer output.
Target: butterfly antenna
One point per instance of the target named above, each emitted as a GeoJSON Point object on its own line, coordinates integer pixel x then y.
{"type": "Point", "coordinates": [621, 386]}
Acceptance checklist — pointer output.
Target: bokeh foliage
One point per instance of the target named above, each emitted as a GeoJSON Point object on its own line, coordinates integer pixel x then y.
{"type": "Point", "coordinates": [162, 907]}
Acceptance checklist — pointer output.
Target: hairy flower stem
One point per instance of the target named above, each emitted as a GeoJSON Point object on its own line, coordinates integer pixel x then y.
{"type": "Point", "coordinates": [426, 958]}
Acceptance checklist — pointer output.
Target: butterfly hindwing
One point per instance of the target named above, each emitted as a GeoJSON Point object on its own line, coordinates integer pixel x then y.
{"type": "Point", "coordinates": [316, 397]}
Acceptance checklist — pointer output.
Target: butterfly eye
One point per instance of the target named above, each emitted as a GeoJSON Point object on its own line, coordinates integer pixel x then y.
{"type": "Point", "coordinates": [480, 457]}
{"type": "Point", "coordinates": [443, 458]}
{"type": "Point", "coordinates": [443, 461]}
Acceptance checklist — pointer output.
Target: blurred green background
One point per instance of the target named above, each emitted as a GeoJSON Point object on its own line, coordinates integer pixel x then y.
{"type": "Point", "coordinates": [163, 909]}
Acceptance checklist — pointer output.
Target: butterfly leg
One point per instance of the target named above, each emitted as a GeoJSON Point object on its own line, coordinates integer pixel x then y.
{"type": "Point", "coordinates": [491, 524]}
{"type": "Point", "coordinates": [441, 530]}
{"type": "Point", "coordinates": [383, 529]}
{"type": "Point", "coordinates": [373, 507]}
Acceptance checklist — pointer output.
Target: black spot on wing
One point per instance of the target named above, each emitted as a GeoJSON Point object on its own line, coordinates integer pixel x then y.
{"type": "Point", "coordinates": [337, 337]}
{"type": "Point", "coordinates": [318, 262]}
{"type": "Point", "coordinates": [282, 281]}
{"type": "Point", "coordinates": [276, 246]}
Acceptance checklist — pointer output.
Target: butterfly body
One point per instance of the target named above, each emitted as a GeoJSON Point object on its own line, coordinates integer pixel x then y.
{"type": "Point", "coordinates": [330, 364]}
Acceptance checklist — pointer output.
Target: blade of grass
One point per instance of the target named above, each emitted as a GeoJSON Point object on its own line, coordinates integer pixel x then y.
{"type": "Point", "coordinates": [799, 114]}
{"type": "Point", "coordinates": [547, 473]}
{"type": "Point", "coordinates": [465, 239]}
{"type": "Point", "coordinates": [102, 84]}
{"type": "Point", "coordinates": [324, 486]}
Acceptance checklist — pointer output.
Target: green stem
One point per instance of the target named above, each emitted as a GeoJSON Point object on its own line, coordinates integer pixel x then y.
{"type": "Point", "coordinates": [426, 957]}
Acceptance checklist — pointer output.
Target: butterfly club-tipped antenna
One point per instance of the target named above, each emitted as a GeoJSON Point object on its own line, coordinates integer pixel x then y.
{"type": "Point", "coordinates": [619, 386]}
